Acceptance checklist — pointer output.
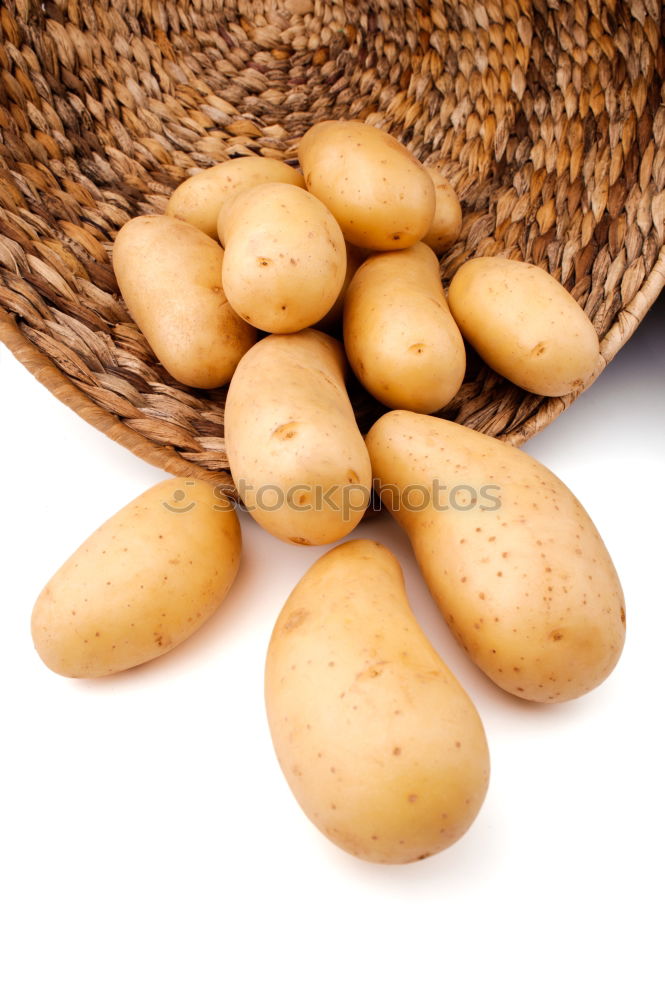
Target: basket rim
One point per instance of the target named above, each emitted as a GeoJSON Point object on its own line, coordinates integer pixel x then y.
{"type": "Point", "coordinates": [60, 386]}
{"type": "Point", "coordinates": [621, 331]}
{"type": "Point", "coordinates": [166, 457]}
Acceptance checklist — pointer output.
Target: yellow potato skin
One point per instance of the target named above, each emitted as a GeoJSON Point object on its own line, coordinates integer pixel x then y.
{"type": "Point", "coordinates": [290, 427]}
{"type": "Point", "coordinates": [332, 321]}
{"type": "Point", "coordinates": [379, 193]}
{"type": "Point", "coordinates": [170, 276]}
{"type": "Point", "coordinates": [526, 585]}
{"type": "Point", "coordinates": [285, 258]}
{"type": "Point", "coordinates": [447, 222]}
{"type": "Point", "coordinates": [380, 744]}
{"type": "Point", "coordinates": [141, 584]}
{"type": "Point", "coordinates": [525, 325]}
{"type": "Point", "coordinates": [400, 338]}
{"type": "Point", "coordinates": [198, 199]}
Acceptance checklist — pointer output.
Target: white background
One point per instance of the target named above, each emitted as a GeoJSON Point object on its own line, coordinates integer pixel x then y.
{"type": "Point", "coordinates": [150, 848]}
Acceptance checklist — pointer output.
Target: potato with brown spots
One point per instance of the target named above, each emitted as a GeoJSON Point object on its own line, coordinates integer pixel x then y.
{"type": "Point", "coordinates": [170, 276]}
{"type": "Point", "coordinates": [380, 744]}
{"type": "Point", "coordinates": [285, 257]}
{"type": "Point", "coordinates": [525, 325]}
{"type": "Point", "coordinates": [382, 197]}
{"type": "Point", "coordinates": [400, 338]}
{"type": "Point", "coordinates": [199, 199]}
{"type": "Point", "coordinates": [142, 583]}
{"type": "Point", "coordinates": [295, 452]}
{"type": "Point", "coordinates": [513, 560]}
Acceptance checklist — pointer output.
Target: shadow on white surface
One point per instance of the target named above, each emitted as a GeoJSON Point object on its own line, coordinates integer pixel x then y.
{"type": "Point", "coordinates": [151, 846]}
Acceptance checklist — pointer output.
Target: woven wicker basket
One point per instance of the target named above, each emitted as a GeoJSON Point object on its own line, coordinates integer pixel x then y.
{"type": "Point", "coordinates": [546, 115]}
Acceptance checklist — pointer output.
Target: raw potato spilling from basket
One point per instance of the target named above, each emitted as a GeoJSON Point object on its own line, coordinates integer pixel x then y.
{"type": "Point", "coordinates": [380, 744]}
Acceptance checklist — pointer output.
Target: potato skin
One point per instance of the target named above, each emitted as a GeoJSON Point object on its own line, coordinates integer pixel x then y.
{"type": "Point", "coordinates": [285, 258]}
{"type": "Point", "coordinates": [198, 199]}
{"type": "Point", "coordinates": [142, 583]}
{"type": "Point", "coordinates": [380, 744]}
{"type": "Point", "coordinates": [290, 428]}
{"type": "Point", "coordinates": [526, 583]}
{"type": "Point", "coordinates": [400, 338]}
{"type": "Point", "coordinates": [525, 325]}
{"type": "Point", "coordinates": [332, 321]}
{"type": "Point", "coordinates": [170, 276]}
{"type": "Point", "coordinates": [447, 222]}
{"type": "Point", "coordinates": [379, 193]}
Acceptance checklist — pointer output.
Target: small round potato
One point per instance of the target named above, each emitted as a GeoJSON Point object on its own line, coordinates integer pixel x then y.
{"type": "Point", "coordinates": [142, 583]}
{"type": "Point", "coordinates": [447, 221]}
{"type": "Point", "coordinates": [170, 276]}
{"type": "Point", "coordinates": [198, 200]}
{"type": "Point", "coordinates": [513, 560]}
{"type": "Point", "coordinates": [400, 338]}
{"type": "Point", "coordinates": [381, 196]}
{"type": "Point", "coordinates": [296, 455]}
{"type": "Point", "coordinates": [285, 258]}
{"type": "Point", "coordinates": [525, 325]}
{"type": "Point", "coordinates": [381, 746]}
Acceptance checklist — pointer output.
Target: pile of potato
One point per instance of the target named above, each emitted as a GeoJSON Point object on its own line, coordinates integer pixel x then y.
{"type": "Point", "coordinates": [239, 283]}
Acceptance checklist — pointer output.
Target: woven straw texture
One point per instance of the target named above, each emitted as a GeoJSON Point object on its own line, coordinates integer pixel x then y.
{"type": "Point", "coordinates": [548, 117]}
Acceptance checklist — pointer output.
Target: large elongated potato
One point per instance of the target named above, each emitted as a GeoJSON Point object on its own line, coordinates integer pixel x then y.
{"type": "Point", "coordinates": [285, 259]}
{"type": "Point", "coordinates": [400, 338]}
{"type": "Point", "coordinates": [524, 324]}
{"type": "Point", "coordinates": [447, 221]}
{"type": "Point", "coordinates": [170, 276]}
{"type": "Point", "coordinates": [379, 743]}
{"type": "Point", "coordinates": [198, 200]}
{"type": "Point", "coordinates": [297, 457]}
{"type": "Point", "coordinates": [141, 584]}
{"type": "Point", "coordinates": [511, 556]}
{"type": "Point", "coordinates": [381, 196]}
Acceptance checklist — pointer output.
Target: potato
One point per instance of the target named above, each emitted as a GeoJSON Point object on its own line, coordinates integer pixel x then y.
{"type": "Point", "coordinates": [296, 455]}
{"type": "Point", "coordinates": [199, 199]}
{"type": "Point", "coordinates": [400, 338]}
{"type": "Point", "coordinates": [332, 321]}
{"type": "Point", "coordinates": [381, 196]}
{"type": "Point", "coordinates": [447, 221]}
{"type": "Point", "coordinates": [512, 558]}
{"type": "Point", "coordinates": [525, 325]}
{"type": "Point", "coordinates": [170, 276]}
{"type": "Point", "coordinates": [140, 584]}
{"type": "Point", "coordinates": [285, 257]}
{"type": "Point", "coordinates": [380, 744]}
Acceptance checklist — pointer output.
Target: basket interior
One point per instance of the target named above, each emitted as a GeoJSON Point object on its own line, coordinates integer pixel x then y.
{"type": "Point", "coordinates": [546, 115]}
